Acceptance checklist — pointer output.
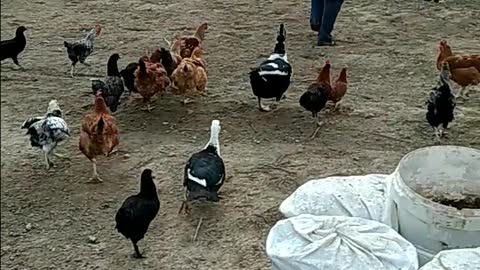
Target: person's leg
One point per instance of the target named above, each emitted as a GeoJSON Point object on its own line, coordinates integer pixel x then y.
{"type": "Point", "coordinates": [331, 10]}
{"type": "Point", "coordinates": [316, 13]}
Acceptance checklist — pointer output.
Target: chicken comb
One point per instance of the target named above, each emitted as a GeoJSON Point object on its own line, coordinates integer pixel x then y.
{"type": "Point", "coordinates": [327, 62]}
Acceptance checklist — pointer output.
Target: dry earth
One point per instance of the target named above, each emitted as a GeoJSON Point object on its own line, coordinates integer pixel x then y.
{"type": "Point", "coordinates": [388, 46]}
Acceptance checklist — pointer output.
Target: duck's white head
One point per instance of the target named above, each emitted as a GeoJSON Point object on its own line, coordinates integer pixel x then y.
{"type": "Point", "coordinates": [214, 135]}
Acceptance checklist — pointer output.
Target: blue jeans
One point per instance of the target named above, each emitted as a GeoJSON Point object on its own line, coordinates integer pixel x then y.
{"type": "Point", "coordinates": [322, 16]}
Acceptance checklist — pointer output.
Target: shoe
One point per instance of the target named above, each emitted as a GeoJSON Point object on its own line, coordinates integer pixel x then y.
{"type": "Point", "coordinates": [323, 43]}
{"type": "Point", "coordinates": [315, 27]}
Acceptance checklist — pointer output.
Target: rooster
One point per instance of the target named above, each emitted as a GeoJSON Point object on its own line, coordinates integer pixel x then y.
{"type": "Point", "coordinates": [184, 46]}
{"type": "Point", "coordinates": [137, 211]}
{"type": "Point", "coordinates": [339, 88]}
{"type": "Point", "coordinates": [272, 78]}
{"type": "Point", "coordinates": [47, 131]}
{"type": "Point", "coordinates": [81, 49]}
{"type": "Point", "coordinates": [98, 135]}
{"type": "Point", "coordinates": [11, 48]}
{"type": "Point", "coordinates": [150, 79]}
{"type": "Point", "coordinates": [111, 88]}
{"type": "Point", "coordinates": [190, 76]}
{"type": "Point", "coordinates": [441, 104]}
{"type": "Point", "coordinates": [204, 171]}
{"type": "Point", "coordinates": [317, 95]}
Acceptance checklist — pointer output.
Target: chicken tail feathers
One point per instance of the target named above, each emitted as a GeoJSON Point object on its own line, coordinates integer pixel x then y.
{"type": "Point", "coordinates": [100, 126]}
{"type": "Point", "coordinates": [30, 121]}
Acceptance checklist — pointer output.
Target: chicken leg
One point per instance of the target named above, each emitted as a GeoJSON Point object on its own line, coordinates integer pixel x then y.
{"type": "Point", "coordinates": [263, 108]}
{"type": "Point", "coordinates": [95, 176]}
{"type": "Point", "coordinates": [137, 253]}
{"type": "Point", "coordinates": [185, 205]}
{"type": "Point", "coordinates": [72, 71]}
{"type": "Point", "coordinates": [318, 124]}
{"type": "Point", "coordinates": [48, 163]}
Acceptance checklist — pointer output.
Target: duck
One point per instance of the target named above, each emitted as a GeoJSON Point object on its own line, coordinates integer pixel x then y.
{"type": "Point", "coordinates": [271, 78]}
{"type": "Point", "coordinates": [204, 172]}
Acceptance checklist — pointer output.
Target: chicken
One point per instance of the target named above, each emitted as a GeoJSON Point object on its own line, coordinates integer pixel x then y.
{"type": "Point", "coordinates": [169, 60]}
{"type": "Point", "coordinates": [184, 46]}
{"type": "Point", "coordinates": [111, 87]}
{"type": "Point", "coordinates": [11, 48]}
{"type": "Point", "coordinates": [465, 77]}
{"type": "Point", "coordinates": [138, 211]}
{"type": "Point", "coordinates": [190, 77]}
{"type": "Point", "coordinates": [79, 50]}
{"type": "Point", "coordinates": [98, 135]}
{"type": "Point", "coordinates": [128, 75]}
{"type": "Point", "coordinates": [47, 131]}
{"type": "Point", "coordinates": [441, 104]}
{"type": "Point", "coordinates": [339, 88]}
{"type": "Point", "coordinates": [272, 78]}
{"type": "Point", "coordinates": [455, 61]}
{"type": "Point", "coordinates": [204, 172]}
{"type": "Point", "coordinates": [150, 79]}
{"type": "Point", "coordinates": [317, 95]}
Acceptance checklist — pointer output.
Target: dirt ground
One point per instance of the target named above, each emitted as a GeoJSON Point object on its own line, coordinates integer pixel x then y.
{"type": "Point", "coordinates": [388, 46]}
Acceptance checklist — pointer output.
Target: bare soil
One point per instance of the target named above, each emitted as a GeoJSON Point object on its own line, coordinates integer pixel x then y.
{"type": "Point", "coordinates": [471, 202]}
{"type": "Point", "coordinates": [47, 217]}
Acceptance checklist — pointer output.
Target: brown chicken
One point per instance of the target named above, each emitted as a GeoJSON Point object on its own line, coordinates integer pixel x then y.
{"type": "Point", "coordinates": [445, 54]}
{"type": "Point", "coordinates": [99, 134]}
{"type": "Point", "coordinates": [190, 76]}
{"type": "Point", "coordinates": [465, 77]}
{"type": "Point", "coordinates": [184, 46]}
{"type": "Point", "coordinates": [150, 79]}
{"type": "Point", "coordinates": [464, 69]}
{"type": "Point", "coordinates": [339, 89]}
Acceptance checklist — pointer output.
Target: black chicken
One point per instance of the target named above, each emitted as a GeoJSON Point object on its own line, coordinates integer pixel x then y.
{"type": "Point", "coordinates": [205, 171]}
{"type": "Point", "coordinates": [272, 78]}
{"type": "Point", "coordinates": [441, 104]}
{"type": "Point", "coordinates": [137, 211]}
{"type": "Point", "coordinates": [168, 61]}
{"type": "Point", "coordinates": [128, 75]}
{"type": "Point", "coordinates": [317, 94]}
{"type": "Point", "coordinates": [112, 86]}
{"type": "Point", "coordinates": [11, 48]}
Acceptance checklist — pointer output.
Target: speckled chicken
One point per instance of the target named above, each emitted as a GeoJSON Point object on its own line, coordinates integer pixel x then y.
{"type": "Point", "coordinates": [79, 50]}
{"type": "Point", "coordinates": [47, 131]}
{"type": "Point", "coordinates": [111, 87]}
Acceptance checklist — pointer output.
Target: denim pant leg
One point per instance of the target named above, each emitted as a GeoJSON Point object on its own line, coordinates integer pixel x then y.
{"type": "Point", "coordinates": [330, 12]}
{"type": "Point", "coordinates": [316, 12]}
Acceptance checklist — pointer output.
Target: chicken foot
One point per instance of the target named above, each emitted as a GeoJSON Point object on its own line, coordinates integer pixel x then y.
{"type": "Point", "coordinates": [263, 108]}
{"type": "Point", "coordinates": [95, 176]}
{"type": "Point", "coordinates": [318, 124]}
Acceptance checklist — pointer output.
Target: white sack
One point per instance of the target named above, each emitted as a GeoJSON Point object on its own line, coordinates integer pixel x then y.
{"type": "Point", "coordinates": [455, 259]}
{"type": "Point", "coordinates": [351, 196]}
{"type": "Point", "coordinates": [308, 242]}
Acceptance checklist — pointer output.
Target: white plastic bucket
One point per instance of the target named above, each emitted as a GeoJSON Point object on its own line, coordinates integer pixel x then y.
{"type": "Point", "coordinates": [428, 174]}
